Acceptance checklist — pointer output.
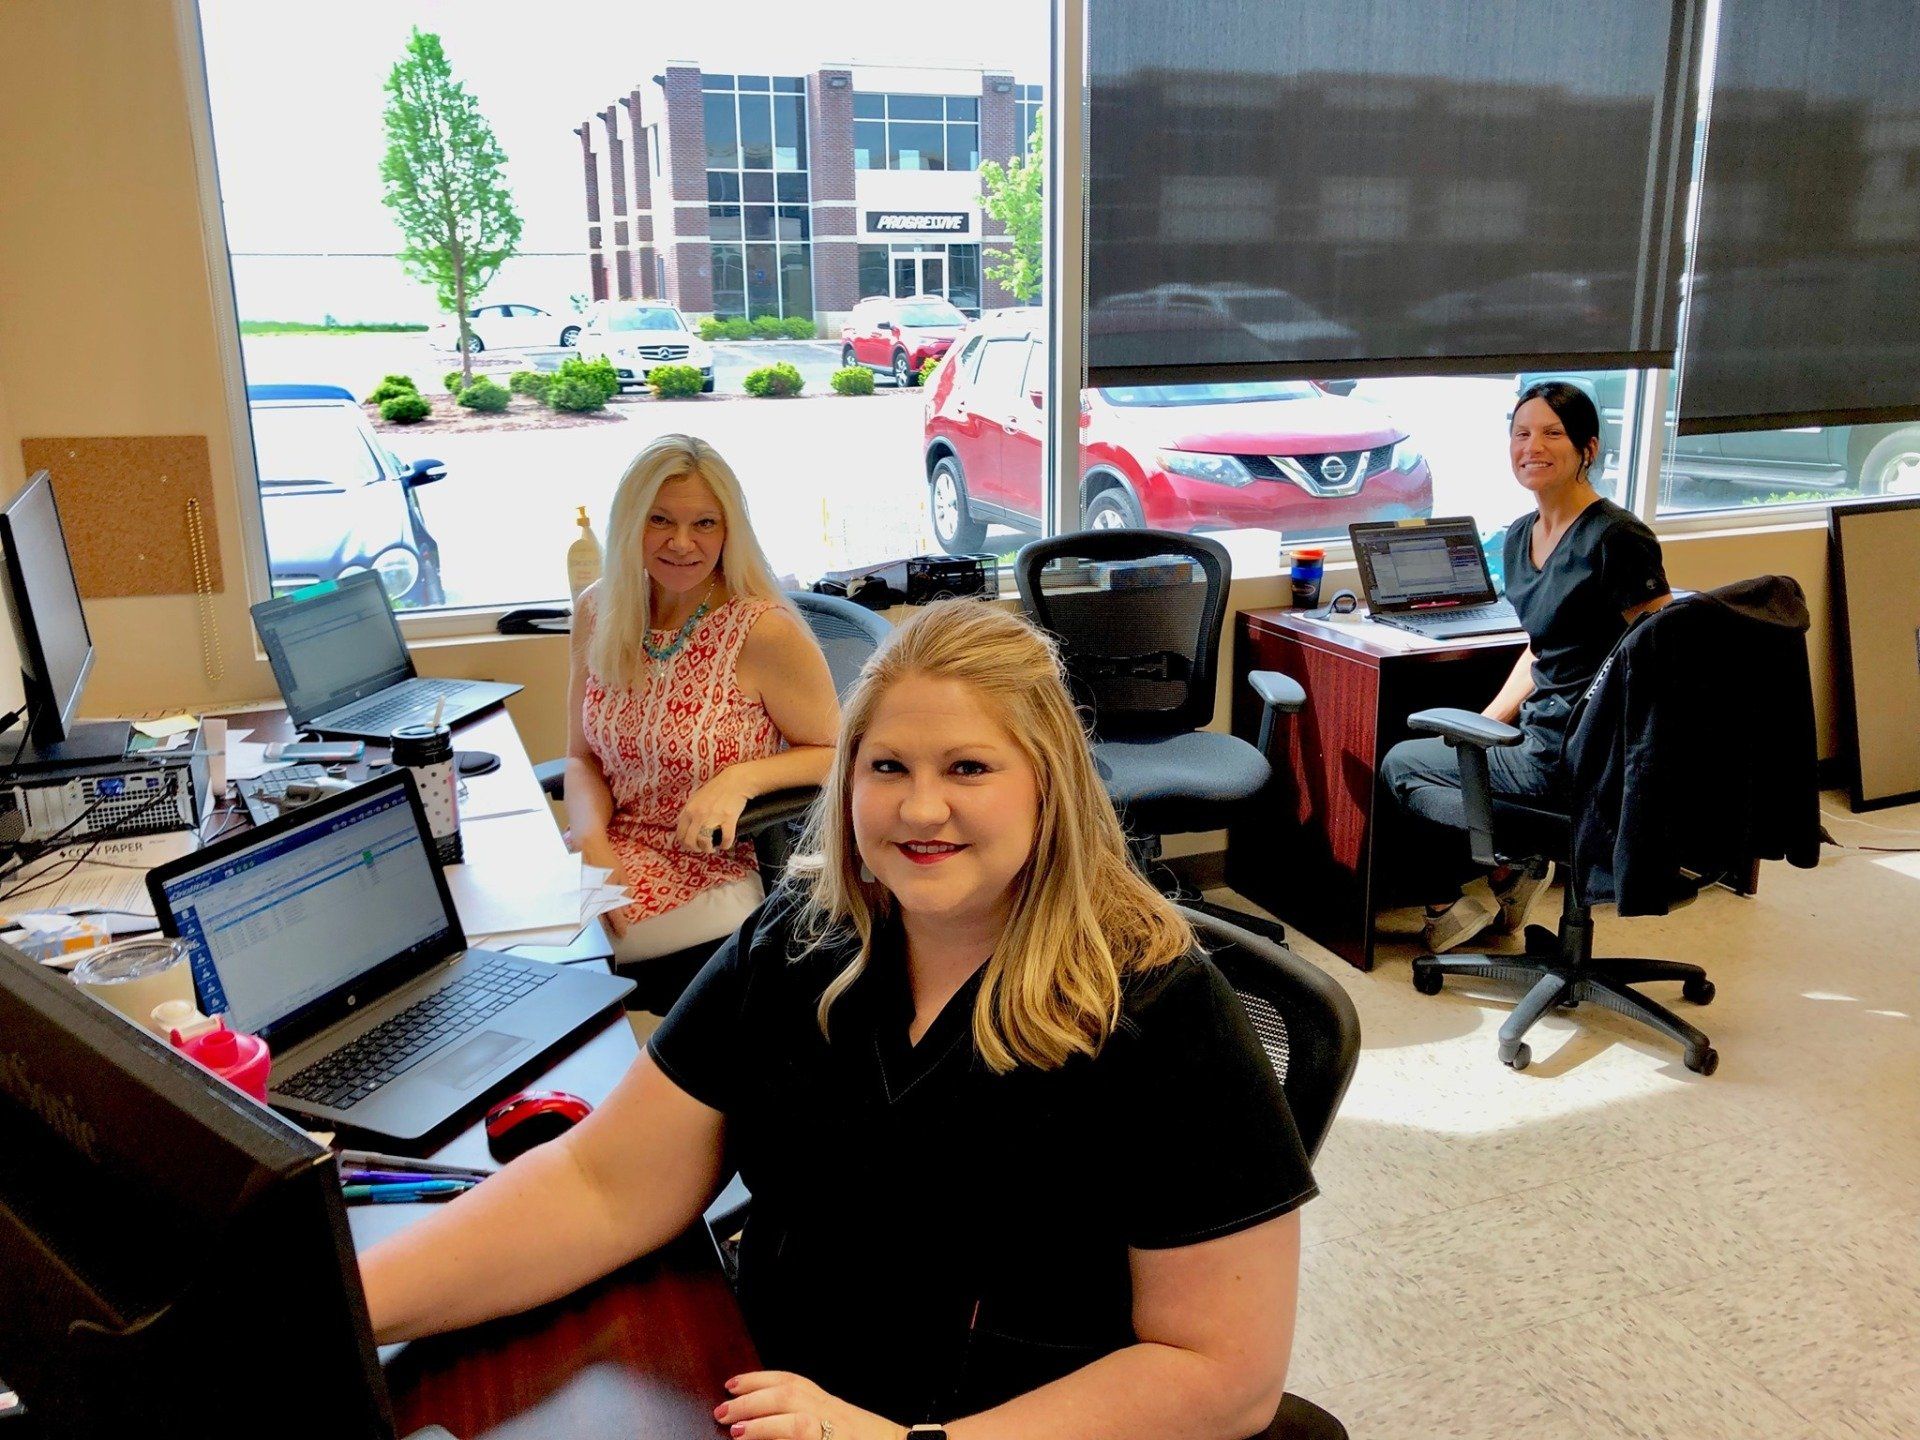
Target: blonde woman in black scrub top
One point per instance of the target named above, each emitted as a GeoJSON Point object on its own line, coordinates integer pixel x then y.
{"type": "Point", "coordinates": [1579, 571]}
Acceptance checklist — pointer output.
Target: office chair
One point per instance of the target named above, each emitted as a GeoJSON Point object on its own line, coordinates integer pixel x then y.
{"type": "Point", "coordinates": [1139, 640]}
{"type": "Point", "coordinates": [1692, 755]}
{"type": "Point", "coordinates": [1310, 1032]}
{"type": "Point", "coordinates": [848, 634]}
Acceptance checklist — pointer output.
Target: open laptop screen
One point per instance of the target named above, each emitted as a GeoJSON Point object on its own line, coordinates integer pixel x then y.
{"type": "Point", "coordinates": [1407, 567]}
{"type": "Point", "coordinates": [291, 922]}
{"type": "Point", "coordinates": [332, 645]}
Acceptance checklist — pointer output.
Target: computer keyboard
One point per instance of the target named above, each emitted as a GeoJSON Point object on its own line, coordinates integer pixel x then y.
{"type": "Point", "coordinates": [350, 1074]}
{"type": "Point", "coordinates": [1464, 614]}
{"type": "Point", "coordinates": [394, 707]}
{"type": "Point", "coordinates": [263, 796]}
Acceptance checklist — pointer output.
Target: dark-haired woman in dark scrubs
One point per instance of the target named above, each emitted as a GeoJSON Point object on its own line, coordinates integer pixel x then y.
{"type": "Point", "coordinates": [1579, 571]}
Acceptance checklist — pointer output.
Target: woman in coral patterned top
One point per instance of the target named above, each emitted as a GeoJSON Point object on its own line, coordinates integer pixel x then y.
{"type": "Point", "coordinates": [693, 688]}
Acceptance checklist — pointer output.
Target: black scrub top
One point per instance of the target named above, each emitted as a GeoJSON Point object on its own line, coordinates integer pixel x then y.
{"type": "Point", "coordinates": [1606, 563]}
{"type": "Point", "coordinates": [928, 1239]}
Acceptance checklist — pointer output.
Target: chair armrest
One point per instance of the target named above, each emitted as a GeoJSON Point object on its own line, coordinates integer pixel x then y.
{"type": "Point", "coordinates": [774, 808]}
{"type": "Point", "coordinates": [552, 775]}
{"type": "Point", "coordinates": [1464, 727]}
{"type": "Point", "coordinates": [1277, 691]}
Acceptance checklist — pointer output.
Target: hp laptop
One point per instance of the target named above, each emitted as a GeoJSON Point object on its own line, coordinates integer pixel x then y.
{"type": "Point", "coordinates": [1430, 577]}
{"type": "Point", "coordinates": [343, 669]}
{"type": "Point", "coordinates": [330, 934]}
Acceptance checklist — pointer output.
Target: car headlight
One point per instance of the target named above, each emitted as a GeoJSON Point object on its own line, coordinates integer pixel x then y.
{"type": "Point", "coordinates": [397, 566]}
{"type": "Point", "coordinates": [1406, 456]}
{"type": "Point", "coordinates": [1198, 465]}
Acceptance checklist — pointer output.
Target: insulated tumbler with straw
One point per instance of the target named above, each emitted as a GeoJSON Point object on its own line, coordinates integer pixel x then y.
{"type": "Point", "coordinates": [427, 750]}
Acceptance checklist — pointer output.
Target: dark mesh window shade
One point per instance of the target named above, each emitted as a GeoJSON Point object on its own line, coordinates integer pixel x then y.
{"type": "Point", "coordinates": [1377, 186]}
{"type": "Point", "coordinates": [1805, 307]}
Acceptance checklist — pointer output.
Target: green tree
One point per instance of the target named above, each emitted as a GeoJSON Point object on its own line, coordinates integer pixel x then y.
{"type": "Point", "coordinates": [1014, 198]}
{"type": "Point", "coordinates": [445, 182]}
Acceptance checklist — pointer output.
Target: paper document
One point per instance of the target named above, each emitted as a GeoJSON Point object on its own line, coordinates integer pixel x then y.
{"type": "Point", "coordinates": [246, 760]}
{"type": "Point", "coordinates": [110, 883]}
{"type": "Point", "coordinates": [518, 877]}
{"type": "Point", "coordinates": [166, 726]}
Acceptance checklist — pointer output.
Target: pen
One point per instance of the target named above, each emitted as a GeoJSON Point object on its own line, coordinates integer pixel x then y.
{"type": "Point", "coordinates": [394, 1195]}
{"type": "Point", "coordinates": [374, 1160]}
{"type": "Point", "coordinates": [353, 1175]}
{"type": "Point", "coordinates": [406, 1192]}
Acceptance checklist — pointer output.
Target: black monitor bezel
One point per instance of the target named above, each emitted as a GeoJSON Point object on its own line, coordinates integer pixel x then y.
{"type": "Point", "coordinates": [1366, 529]}
{"type": "Point", "coordinates": [49, 721]}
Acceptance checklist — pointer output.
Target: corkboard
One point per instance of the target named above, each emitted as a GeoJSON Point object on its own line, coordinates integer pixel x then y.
{"type": "Point", "coordinates": [123, 504]}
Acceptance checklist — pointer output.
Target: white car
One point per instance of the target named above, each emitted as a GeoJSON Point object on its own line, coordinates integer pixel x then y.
{"type": "Point", "coordinates": [510, 326]}
{"type": "Point", "coordinates": [637, 335]}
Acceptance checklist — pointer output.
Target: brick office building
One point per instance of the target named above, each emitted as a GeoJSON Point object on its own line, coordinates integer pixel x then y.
{"type": "Point", "coordinates": [755, 195]}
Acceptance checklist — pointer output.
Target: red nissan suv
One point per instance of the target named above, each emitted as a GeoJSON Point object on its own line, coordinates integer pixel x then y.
{"type": "Point", "coordinates": [897, 337]}
{"type": "Point", "coordinates": [1280, 455]}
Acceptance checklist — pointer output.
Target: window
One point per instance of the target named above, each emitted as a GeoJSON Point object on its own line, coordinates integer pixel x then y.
{"type": "Point", "coordinates": [916, 132]}
{"type": "Point", "coordinates": [1026, 113]}
{"type": "Point", "coordinates": [761, 256]}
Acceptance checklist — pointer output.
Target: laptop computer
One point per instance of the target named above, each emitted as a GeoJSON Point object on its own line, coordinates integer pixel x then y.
{"type": "Point", "coordinates": [330, 934]}
{"type": "Point", "coordinates": [1430, 577]}
{"type": "Point", "coordinates": [344, 670]}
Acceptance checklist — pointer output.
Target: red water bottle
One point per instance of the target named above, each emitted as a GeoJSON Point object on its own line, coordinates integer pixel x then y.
{"type": "Point", "coordinates": [240, 1060]}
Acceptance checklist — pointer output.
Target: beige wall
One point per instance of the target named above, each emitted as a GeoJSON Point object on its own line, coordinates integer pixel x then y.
{"type": "Point", "coordinates": [107, 327]}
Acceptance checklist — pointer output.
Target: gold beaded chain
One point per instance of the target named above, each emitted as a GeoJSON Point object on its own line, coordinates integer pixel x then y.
{"type": "Point", "coordinates": [203, 589]}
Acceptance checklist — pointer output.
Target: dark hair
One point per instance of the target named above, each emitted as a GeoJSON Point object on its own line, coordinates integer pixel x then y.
{"type": "Point", "coordinates": [1574, 407]}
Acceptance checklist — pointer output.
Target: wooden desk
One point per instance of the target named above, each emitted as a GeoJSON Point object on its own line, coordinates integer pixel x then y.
{"type": "Point", "coordinates": [1311, 857]}
{"type": "Point", "coordinates": [639, 1354]}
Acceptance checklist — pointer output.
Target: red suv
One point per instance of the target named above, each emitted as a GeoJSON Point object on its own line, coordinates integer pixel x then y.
{"type": "Point", "coordinates": [897, 337]}
{"type": "Point", "coordinates": [1280, 455]}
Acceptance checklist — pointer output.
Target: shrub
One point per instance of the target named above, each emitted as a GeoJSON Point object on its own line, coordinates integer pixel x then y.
{"type": "Point", "coordinates": [485, 395]}
{"type": "Point", "coordinates": [599, 374]}
{"type": "Point", "coordinates": [531, 382]}
{"type": "Point", "coordinates": [673, 382]}
{"type": "Point", "coordinates": [571, 393]}
{"type": "Point", "coordinates": [389, 388]}
{"type": "Point", "coordinates": [405, 407]}
{"type": "Point", "coordinates": [854, 380]}
{"type": "Point", "coordinates": [736, 329]}
{"type": "Point", "coordinates": [712, 327]}
{"type": "Point", "coordinates": [801, 327]}
{"type": "Point", "coordinates": [931, 364]}
{"type": "Point", "coordinates": [774, 380]}
{"type": "Point", "coordinates": [769, 327]}
{"type": "Point", "coordinates": [453, 380]}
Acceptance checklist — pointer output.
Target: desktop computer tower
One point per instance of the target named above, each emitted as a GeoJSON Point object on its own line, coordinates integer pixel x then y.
{"type": "Point", "coordinates": [140, 795]}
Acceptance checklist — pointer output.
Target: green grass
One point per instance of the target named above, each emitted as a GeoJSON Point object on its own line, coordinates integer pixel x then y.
{"type": "Point", "coordinates": [309, 327]}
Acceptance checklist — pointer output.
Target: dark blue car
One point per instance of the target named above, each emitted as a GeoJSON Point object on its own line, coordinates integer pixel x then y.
{"type": "Point", "coordinates": [335, 500]}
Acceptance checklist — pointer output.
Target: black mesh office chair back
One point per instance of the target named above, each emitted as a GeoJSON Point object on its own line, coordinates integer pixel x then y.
{"type": "Point", "coordinates": [847, 632]}
{"type": "Point", "coordinates": [1139, 642]}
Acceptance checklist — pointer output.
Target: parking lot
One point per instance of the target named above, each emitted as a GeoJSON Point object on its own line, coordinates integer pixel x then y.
{"type": "Point", "coordinates": [831, 481]}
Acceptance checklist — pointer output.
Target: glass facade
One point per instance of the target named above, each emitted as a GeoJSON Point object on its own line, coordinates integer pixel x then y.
{"type": "Point", "coordinates": [757, 194]}
{"type": "Point", "coordinates": [916, 132]}
{"type": "Point", "coordinates": [928, 267]}
{"type": "Point", "coordinates": [1026, 114]}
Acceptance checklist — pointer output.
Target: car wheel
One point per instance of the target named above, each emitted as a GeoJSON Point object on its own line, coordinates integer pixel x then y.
{"type": "Point", "coordinates": [474, 347]}
{"type": "Point", "coordinates": [1111, 509]}
{"type": "Point", "coordinates": [903, 375]}
{"type": "Point", "coordinates": [954, 527]}
{"type": "Point", "coordinates": [847, 359]}
{"type": "Point", "coordinates": [570, 336]}
{"type": "Point", "coordinates": [1893, 466]}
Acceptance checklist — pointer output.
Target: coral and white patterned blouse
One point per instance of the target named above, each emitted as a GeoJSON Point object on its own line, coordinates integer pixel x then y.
{"type": "Point", "coordinates": [663, 737]}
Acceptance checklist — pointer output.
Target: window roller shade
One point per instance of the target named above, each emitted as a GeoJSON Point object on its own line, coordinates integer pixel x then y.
{"type": "Point", "coordinates": [1805, 301]}
{"type": "Point", "coordinates": [1420, 186]}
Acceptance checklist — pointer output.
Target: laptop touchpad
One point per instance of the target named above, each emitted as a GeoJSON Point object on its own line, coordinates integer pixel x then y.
{"type": "Point", "coordinates": [473, 1058]}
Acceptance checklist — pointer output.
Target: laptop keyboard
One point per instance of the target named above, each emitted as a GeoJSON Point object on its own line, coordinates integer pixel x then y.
{"type": "Point", "coordinates": [350, 1074]}
{"type": "Point", "coordinates": [1447, 619]}
{"type": "Point", "coordinates": [400, 704]}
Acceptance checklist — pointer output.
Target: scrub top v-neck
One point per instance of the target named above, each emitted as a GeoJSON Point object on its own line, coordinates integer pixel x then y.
{"type": "Point", "coordinates": [928, 1238]}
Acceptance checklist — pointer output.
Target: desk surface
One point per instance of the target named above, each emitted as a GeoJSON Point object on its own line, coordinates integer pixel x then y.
{"type": "Point", "coordinates": [1365, 640]}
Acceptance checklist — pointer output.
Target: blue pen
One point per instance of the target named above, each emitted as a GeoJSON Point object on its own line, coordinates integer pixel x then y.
{"type": "Point", "coordinates": [406, 1192]}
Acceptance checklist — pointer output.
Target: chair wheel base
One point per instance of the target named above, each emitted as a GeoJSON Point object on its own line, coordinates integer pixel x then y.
{"type": "Point", "coordinates": [1427, 981]}
{"type": "Point", "coordinates": [1517, 1056]}
{"type": "Point", "coordinates": [1699, 992]}
{"type": "Point", "coordinates": [1703, 1061]}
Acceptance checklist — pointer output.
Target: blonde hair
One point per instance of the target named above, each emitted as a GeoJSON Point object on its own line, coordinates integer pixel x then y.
{"type": "Point", "coordinates": [1082, 919]}
{"type": "Point", "coordinates": [622, 600]}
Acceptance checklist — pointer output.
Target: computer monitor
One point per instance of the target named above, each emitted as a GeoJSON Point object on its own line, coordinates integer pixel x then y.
{"type": "Point", "coordinates": [176, 1256]}
{"type": "Point", "coordinates": [50, 627]}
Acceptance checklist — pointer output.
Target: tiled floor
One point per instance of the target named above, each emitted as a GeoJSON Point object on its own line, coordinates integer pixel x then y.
{"type": "Point", "coordinates": [1606, 1245]}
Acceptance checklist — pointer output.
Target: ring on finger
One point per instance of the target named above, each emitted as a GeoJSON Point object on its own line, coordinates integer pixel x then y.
{"type": "Point", "coordinates": [826, 1430]}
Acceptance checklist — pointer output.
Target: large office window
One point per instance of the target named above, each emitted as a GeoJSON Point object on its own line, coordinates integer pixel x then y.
{"type": "Point", "coordinates": [916, 132]}
{"type": "Point", "coordinates": [758, 211]}
{"type": "Point", "coordinates": [1027, 100]}
{"type": "Point", "coordinates": [741, 222]}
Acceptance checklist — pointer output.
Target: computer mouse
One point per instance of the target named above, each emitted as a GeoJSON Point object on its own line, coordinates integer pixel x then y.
{"type": "Point", "coordinates": [520, 1122]}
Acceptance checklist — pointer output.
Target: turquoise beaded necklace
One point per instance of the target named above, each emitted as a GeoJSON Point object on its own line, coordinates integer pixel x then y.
{"type": "Point", "coordinates": [673, 647]}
